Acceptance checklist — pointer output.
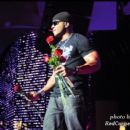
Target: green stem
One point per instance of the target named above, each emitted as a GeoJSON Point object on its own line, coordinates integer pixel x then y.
{"type": "Point", "coordinates": [67, 85]}
{"type": "Point", "coordinates": [61, 85]}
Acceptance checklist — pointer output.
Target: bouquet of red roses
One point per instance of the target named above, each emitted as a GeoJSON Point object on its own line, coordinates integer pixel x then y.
{"type": "Point", "coordinates": [57, 59]}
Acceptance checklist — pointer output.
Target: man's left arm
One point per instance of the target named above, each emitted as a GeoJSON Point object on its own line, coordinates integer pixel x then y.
{"type": "Point", "coordinates": [91, 65]}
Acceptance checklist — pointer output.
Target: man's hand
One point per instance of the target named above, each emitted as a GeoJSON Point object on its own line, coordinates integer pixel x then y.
{"type": "Point", "coordinates": [33, 96]}
{"type": "Point", "coordinates": [64, 71]}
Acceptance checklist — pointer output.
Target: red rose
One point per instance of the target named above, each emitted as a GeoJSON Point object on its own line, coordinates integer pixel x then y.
{"type": "Point", "coordinates": [50, 40]}
{"type": "Point", "coordinates": [46, 58]}
{"type": "Point", "coordinates": [58, 52]}
{"type": "Point", "coordinates": [17, 88]}
{"type": "Point", "coordinates": [62, 59]}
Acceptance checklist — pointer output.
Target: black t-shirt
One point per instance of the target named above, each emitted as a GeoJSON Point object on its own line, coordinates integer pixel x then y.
{"type": "Point", "coordinates": [74, 49]}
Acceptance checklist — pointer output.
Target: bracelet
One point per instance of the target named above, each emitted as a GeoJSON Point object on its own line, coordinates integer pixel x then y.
{"type": "Point", "coordinates": [40, 92]}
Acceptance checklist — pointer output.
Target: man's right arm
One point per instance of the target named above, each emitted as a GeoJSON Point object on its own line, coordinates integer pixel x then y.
{"type": "Point", "coordinates": [49, 85]}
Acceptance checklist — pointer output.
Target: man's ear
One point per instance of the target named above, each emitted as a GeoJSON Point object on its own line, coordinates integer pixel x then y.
{"type": "Point", "coordinates": [67, 24]}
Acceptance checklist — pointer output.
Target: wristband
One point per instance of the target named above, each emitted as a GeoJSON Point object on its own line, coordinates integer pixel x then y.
{"type": "Point", "coordinates": [40, 92]}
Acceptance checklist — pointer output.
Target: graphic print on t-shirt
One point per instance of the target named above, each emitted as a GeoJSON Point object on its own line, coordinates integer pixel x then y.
{"type": "Point", "coordinates": [67, 51]}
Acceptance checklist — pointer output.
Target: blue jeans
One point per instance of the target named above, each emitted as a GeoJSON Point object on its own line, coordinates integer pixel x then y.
{"type": "Point", "coordinates": [70, 117]}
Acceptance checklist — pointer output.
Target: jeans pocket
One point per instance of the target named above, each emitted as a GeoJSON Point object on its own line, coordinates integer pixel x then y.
{"type": "Point", "coordinates": [76, 100]}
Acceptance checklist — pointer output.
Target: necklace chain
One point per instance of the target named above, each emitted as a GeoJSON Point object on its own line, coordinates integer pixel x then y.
{"type": "Point", "coordinates": [63, 43]}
